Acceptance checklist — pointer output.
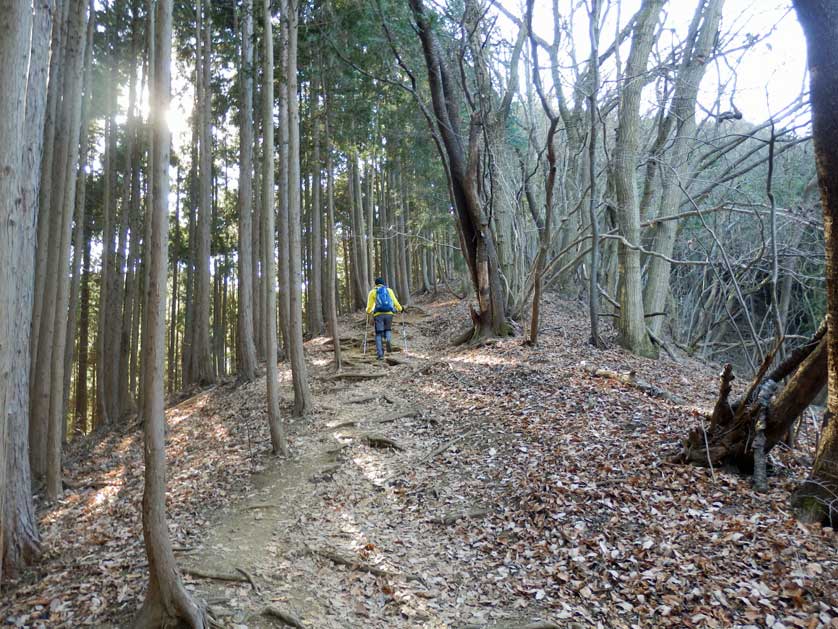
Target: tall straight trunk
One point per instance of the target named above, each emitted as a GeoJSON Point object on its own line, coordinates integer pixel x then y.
{"type": "Point", "coordinates": [359, 236]}
{"type": "Point", "coordinates": [347, 272]}
{"type": "Point", "coordinates": [404, 243]}
{"type": "Point", "coordinates": [71, 119]}
{"type": "Point", "coordinates": [682, 117]}
{"type": "Point", "coordinates": [167, 603]}
{"type": "Point", "coordinates": [545, 225]}
{"type": "Point", "coordinates": [111, 308]}
{"type": "Point", "coordinates": [246, 355]}
{"type": "Point", "coordinates": [80, 417]}
{"type": "Point", "coordinates": [171, 361]}
{"type": "Point", "coordinates": [815, 498]}
{"type": "Point", "coordinates": [80, 233]}
{"type": "Point", "coordinates": [315, 284]}
{"type": "Point", "coordinates": [331, 261]}
{"type": "Point", "coordinates": [369, 181]}
{"type": "Point", "coordinates": [189, 314]}
{"type": "Point", "coordinates": [258, 279]}
{"type": "Point", "coordinates": [593, 285]}
{"type": "Point", "coordinates": [45, 160]}
{"type": "Point", "coordinates": [284, 157]}
{"type": "Point", "coordinates": [390, 231]}
{"type": "Point", "coordinates": [131, 209]}
{"type": "Point", "coordinates": [17, 247]}
{"type": "Point", "coordinates": [631, 323]}
{"type": "Point", "coordinates": [202, 372]}
{"type": "Point", "coordinates": [279, 443]}
{"type": "Point", "coordinates": [49, 226]}
{"type": "Point", "coordinates": [103, 395]}
{"type": "Point", "coordinates": [299, 371]}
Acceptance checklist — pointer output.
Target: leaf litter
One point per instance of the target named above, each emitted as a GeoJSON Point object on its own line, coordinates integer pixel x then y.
{"type": "Point", "coordinates": [528, 490]}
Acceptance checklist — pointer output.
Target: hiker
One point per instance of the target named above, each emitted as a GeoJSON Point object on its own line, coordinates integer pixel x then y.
{"type": "Point", "coordinates": [382, 304]}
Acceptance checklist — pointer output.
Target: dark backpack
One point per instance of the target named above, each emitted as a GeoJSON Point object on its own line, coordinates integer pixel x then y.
{"type": "Point", "coordinates": [383, 302]}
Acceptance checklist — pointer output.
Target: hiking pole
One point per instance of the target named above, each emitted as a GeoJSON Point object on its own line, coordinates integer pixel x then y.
{"type": "Point", "coordinates": [366, 333]}
{"type": "Point", "coordinates": [404, 333]}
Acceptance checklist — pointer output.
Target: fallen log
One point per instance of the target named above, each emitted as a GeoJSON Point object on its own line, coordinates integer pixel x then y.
{"type": "Point", "coordinates": [630, 378]}
{"type": "Point", "coordinates": [730, 438]}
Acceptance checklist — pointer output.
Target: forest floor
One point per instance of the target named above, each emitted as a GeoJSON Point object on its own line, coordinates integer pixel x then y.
{"type": "Point", "coordinates": [522, 487]}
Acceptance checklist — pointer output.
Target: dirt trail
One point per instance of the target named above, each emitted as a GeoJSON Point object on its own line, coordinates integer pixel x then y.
{"type": "Point", "coordinates": [524, 487]}
{"type": "Point", "coordinates": [525, 491]}
{"type": "Point", "coordinates": [327, 536]}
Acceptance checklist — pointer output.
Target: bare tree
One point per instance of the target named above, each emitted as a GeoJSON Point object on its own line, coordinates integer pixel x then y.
{"type": "Point", "coordinates": [476, 234]}
{"type": "Point", "coordinates": [632, 324]}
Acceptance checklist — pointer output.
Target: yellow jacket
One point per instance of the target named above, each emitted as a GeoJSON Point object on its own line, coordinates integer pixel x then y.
{"type": "Point", "coordinates": [371, 303]}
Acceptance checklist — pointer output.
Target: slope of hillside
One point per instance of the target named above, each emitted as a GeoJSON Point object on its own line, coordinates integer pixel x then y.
{"type": "Point", "coordinates": [455, 487]}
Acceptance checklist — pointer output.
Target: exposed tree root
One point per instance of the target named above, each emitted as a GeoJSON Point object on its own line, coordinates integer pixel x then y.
{"type": "Point", "coordinates": [539, 624]}
{"type": "Point", "coordinates": [439, 450]}
{"type": "Point", "coordinates": [93, 484]}
{"type": "Point", "coordinates": [283, 616]}
{"type": "Point", "coordinates": [249, 578]}
{"type": "Point", "coordinates": [199, 573]}
{"type": "Point", "coordinates": [816, 502]}
{"type": "Point", "coordinates": [453, 516]}
{"type": "Point", "coordinates": [353, 564]}
{"type": "Point", "coordinates": [429, 456]}
{"type": "Point", "coordinates": [371, 398]}
{"type": "Point", "coordinates": [630, 378]}
{"type": "Point", "coordinates": [349, 423]}
{"type": "Point", "coordinates": [374, 440]}
{"type": "Point", "coordinates": [409, 411]}
{"type": "Point", "coordinates": [355, 375]}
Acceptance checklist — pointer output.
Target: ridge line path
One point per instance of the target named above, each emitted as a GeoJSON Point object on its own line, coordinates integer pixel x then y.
{"type": "Point", "coordinates": [492, 487]}
{"type": "Point", "coordinates": [505, 487]}
{"type": "Point", "coordinates": [336, 536]}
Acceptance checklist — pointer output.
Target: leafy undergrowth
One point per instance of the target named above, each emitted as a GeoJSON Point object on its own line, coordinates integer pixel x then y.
{"type": "Point", "coordinates": [579, 518]}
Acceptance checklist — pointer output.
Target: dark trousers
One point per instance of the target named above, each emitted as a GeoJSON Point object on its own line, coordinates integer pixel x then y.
{"type": "Point", "coordinates": [383, 332]}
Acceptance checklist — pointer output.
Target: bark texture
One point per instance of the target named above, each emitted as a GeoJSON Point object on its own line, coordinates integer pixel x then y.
{"type": "Point", "coordinates": [167, 603]}
{"type": "Point", "coordinates": [279, 444]}
{"type": "Point", "coordinates": [631, 323]}
{"type": "Point", "coordinates": [15, 239]}
{"type": "Point", "coordinates": [476, 235]}
{"type": "Point", "coordinates": [246, 346]}
{"type": "Point", "coordinates": [817, 498]}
